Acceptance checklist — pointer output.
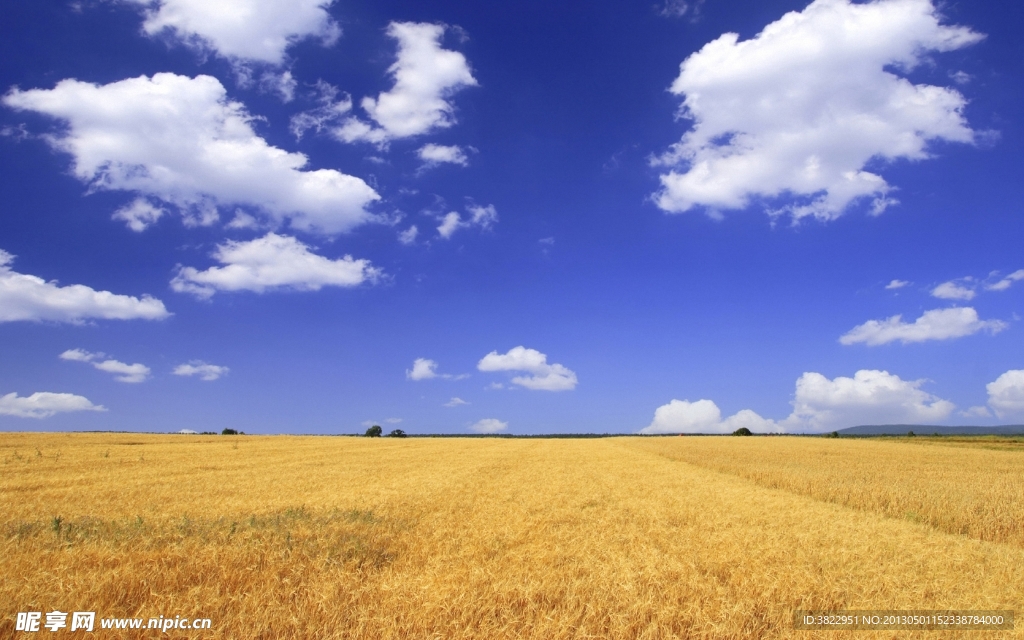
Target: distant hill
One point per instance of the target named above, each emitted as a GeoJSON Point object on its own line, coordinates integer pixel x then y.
{"type": "Point", "coordinates": [925, 429]}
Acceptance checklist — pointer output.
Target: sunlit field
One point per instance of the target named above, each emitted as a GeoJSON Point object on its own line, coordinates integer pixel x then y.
{"type": "Point", "coordinates": [671, 537]}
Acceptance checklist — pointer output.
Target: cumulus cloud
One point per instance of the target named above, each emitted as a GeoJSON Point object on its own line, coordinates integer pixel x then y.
{"type": "Point", "coordinates": [26, 297]}
{"type": "Point", "coordinates": [704, 416]}
{"type": "Point", "coordinates": [819, 404]}
{"type": "Point", "coordinates": [869, 397]}
{"type": "Point", "coordinates": [482, 217]}
{"type": "Point", "coordinates": [139, 214]}
{"type": "Point", "coordinates": [967, 288]}
{"type": "Point", "coordinates": [1005, 283]}
{"type": "Point", "coordinates": [206, 372]}
{"type": "Point", "coordinates": [962, 289]}
{"type": "Point", "coordinates": [409, 235]}
{"type": "Point", "coordinates": [425, 76]}
{"type": "Point", "coordinates": [937, 324]}
{"type": "Point", "coordinates": [181, 141]}
{"type": "Point", "coordinates": [455, 402]}
{"type": "Point", "coordinates": [435, 154]}
{"type": "Point", "coordinates": [804, 106]}
{"type": "Point", "coordinates": [422, 369]}
{"type": "Point", "coordinates": [123, 372]}
{"type": "Point", "coordinates": [1006, 393]}
{"type": "Point", "coordinates": [243, 220]}
{"type": "Point", "coordinates": [451, 222]}
{"type": "Point", "coordinates": [43, 404]}
{"type": "Point", "coordinates": [976, 412]}
{"type": "Point", "coordinates": [543, 376]}
{"type": "Point", "coordinates": [897, 284]}
{"type": "Point", "coordinates": [283, 84]}
{"type": "Point", "coordinates": [269, 263]}
{"type": "Point", "coordinates": [241, 30]}
{"type": "Point", "coordinates": [426, 369]}
{"type": "Point", "coordinates": [489, 425]}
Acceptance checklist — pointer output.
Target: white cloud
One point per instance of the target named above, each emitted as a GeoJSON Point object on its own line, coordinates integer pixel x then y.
{"type": "Point", "coordinates": [679, 8]}
{"type": "Point", "coordinates": [897, 284]}
{"type": "Point", "coordinates": [1006, 393]}
{"type": "Point", "coordinates": [243, 220]}
{"type": "Point", "coordinates": [962, 289]}
{"type": "Point", "coordinates": [422, 369]}
{"type": "Point", "coordinates": [869, 397]}
{"type": "Point", "coordinates": [283, 84]}
{"type": "Point", "coordinates": [123, 372]}
{"type": "Point", "coordinates": [409, 235]}
{"type": "Point", "coordinates": [489, 425]}
{"type": "Point", "coordinates": [426, 369]}
{"type": "Point", "coordinates": [1005, 283]}
{"type": "Point", "coordinates": [425, 77]}
{"type": "Point", "coordinates": [79, 355]}
{"type": "Point", "coordinates": [330, 109]}
{"type": "Point", "coordinates": [25, 297]}
{"type": "Point", "coordinates": [960, 77]}
{"type": "Point", "coordinates": [435, 154]}
{"type": "Point", "coordinates": [451, 222]}
{"type": "Point", "coordinates": [976, 412]}
{"type": "Point", "coordinates": [251, 30]}
{"type": "Point", "coordinates": [18, 133]}
{"type": "Point", "coordinates": [482, 217]}
{"type": "Point", "coordinates": [455, 402]}
{"type": "Point", "coordinates": [819, 404]}
{"type": "Point", "coordinates": [937, 324]}
{"type": "Point", "coordinates": [180, 140]}
{"type": "Point", "coordinates": [804, 106]}
{"type": "Point", "coordinates": [139, 214]}
{"type": "Point", "coordinates": [704, 416]}
{"type": "Point", "coordinates": [272, 262]}
{"type": "Point", "coordinates": [44, 404]}
{"type": "Point", "coordinates": [543, 376]}
{"type": "Point", "coordinates": [206, 372]}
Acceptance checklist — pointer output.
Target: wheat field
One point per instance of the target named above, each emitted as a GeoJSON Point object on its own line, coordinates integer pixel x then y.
{"type": "Point", "coordinates": [331, 537]}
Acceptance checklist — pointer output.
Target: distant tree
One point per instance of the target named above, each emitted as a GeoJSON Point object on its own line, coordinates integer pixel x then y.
{"type": "Point", "coordinates": [742, 431]}
{"type": "Point", "coordinates": [397, 433]}
{"type": "Point", "coordinates": [834, 434]}
{"type": "Point", "coordinates": [911, 434]}
{"type": "Point", "coordinates": [374, 431]}
{"type": "Point", "coordinates": [229, 432]}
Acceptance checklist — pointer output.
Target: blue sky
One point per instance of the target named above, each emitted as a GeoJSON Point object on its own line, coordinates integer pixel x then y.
{"type": "Point", "coordinates": [308, 217]}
